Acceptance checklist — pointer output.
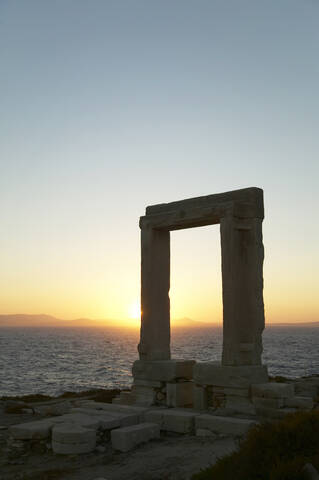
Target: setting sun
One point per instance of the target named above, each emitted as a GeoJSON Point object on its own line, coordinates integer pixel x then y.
{"type": "Point", "coordinates": [135, 310]}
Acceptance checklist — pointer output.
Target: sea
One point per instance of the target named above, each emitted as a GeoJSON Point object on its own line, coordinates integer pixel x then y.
{"type": "Point", "coordinates": [52, 361]}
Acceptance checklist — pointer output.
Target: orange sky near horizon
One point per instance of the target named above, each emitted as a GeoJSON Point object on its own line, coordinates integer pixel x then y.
{"type": "Point", "coordinates": [196, 290]}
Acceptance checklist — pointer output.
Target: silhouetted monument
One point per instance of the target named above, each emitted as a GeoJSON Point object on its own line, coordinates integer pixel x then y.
{"type": "Point", "coordinates": [240, 214]}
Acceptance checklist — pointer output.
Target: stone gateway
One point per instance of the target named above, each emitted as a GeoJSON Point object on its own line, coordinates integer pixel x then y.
{"type": "Point", "coordinates": [160, 380]}
{"type": "Point", "coordinates": [240, 214]}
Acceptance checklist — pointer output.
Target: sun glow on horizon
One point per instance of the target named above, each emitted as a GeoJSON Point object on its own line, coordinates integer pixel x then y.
{"type": "Point", "coordinates": [135, 310]}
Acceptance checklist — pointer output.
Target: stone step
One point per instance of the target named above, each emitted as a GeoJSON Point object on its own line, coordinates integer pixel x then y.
{"type": "Point", "coordinates": [224, 425]}
{"type": "Point", "coordinates": [124, 439]}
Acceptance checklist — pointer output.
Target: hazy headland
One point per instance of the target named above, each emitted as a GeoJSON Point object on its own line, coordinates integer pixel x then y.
{"type": "Point", "coordinates": [43, 320]}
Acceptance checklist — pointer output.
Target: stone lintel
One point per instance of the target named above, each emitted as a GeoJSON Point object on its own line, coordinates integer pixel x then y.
{"type": "Point", "coordinates": [213, 373]}
{"type": "Point", "coordinates": [163, 370]}
{"type": "Point", "coordinates": [252, 196]}
{"type": "Point", "coordinates": [198, 216]}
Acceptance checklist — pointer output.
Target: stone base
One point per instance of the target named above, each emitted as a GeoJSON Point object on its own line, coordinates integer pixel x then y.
{"type": "Point", "coordinates": [161, 382]}
{"type": "Point", "coordinates": [242, 377]}
{"type": "Point", "coordinates": [163, 370]}
{"type": "Point", "coordinates": [226, 388]}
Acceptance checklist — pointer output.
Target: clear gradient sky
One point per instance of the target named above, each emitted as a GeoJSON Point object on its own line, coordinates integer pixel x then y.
{"type": "Point", "coordinates": [111, 105]}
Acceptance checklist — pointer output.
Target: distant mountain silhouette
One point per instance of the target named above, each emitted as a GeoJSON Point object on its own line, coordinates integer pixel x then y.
{"type": "Point", "coordinates": [189, 323]}
{"type": "Point", "coordinates": [26, 320]}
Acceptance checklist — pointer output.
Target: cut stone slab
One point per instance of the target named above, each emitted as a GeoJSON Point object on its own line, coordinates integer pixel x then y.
{"type": "Point", "coordinates": [242, 376]}
{"type": "Point", "coordinates": [204, 432]}
{"type": "Point", "coordinates": [261, 402]}
{"type": "Point", "coordinates": [240, 405]}
{"type": "Point", "coordinates": [124, 439]}
{"type": "Point", "coordinates": [79, 419]}
{"type": "Point", "coordinates": [32, 430]}
{"type": "Point", "coordinates": [178, 421]}
{"type": "Point", "coordinates": [71, 433]}
{"type": "Point", "coordinates": [59, 408]}
{"type": "Point", "coordinates": [155, 416]}
{"type": "Point", "coordinates": [144, 396]}
{"type": "Point", "coordinates": [224, 425]}
{"type": "Point", "coordinates": [108, 420]}
{"type": "Point", "coordinates": [179, 394]}
{"type": "Point", "coordinates": [163, 370]}
{"type": "Point", "coordinates": [238, 392]}
{"type": "Point", "coordinates": [200, 398]}
{"type": "Point", "coordinates": [273, 390]}
{"type": "Point", "coordinates": [72, 448]}
{"type": "Point", "coordinates": [299, 402]}
{"type": "Point", "coordinates": [117, 409]}
{"type": "Point", "coordinates": [148, 383]}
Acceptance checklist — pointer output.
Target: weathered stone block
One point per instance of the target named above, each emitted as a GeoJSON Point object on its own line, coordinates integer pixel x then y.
{"type": "Point", "coordinates": [238, 392]}
{"type": "Point", "coordinates": [261, 402]}
{"type": "Point", "coordinates": [179, 394]}
{"type": "Point", "coordinates": [32, 430]}
{"type": "Point", "coordinates": [81, 419]}
{"type": "Point", "coordinates": [240, 405]}
{"type": "Point", "coordinates": [155, 416]}
{"type": "Point", "coordinates": [145, 396]}
{"type": "Point", "coordinates": [163, 370]}
{"type": "Point", "coordinates": [111, 408]}
{"type": "Point", "coordinates": [106, 421]}
{"type": "Point", "coordinates": [148, 383]}
{"type": "Point", "coordinates": [225, 425]}
{"type": "Point", "coordinates": [273, 390]}
{"type": "Point", "coordinates": [200, 398]}
{"type": "Point", "coordinates": [124, 439]}
{"type": "Point", "coordinates": [213, 373]}
{"type": "Point", "coordinates": [204, 432]}
{"type": "Point", "coordinates": [178, 421]}
{"type": "Point", "coordinates": [59, 408]}
{"type": "Point", "coordinates": [71, 433]}
{"type": "Point", "coordinates": [299, 402]}
{"type": "Point", "coordinates": [73, 448]}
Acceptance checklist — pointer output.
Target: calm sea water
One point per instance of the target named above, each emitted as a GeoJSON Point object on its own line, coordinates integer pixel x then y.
{"type": "Point", "coordinates": [52, 361]}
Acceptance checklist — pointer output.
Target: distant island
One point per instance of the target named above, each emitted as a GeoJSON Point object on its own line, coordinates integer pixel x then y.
{"type": "Point", "coordinates": [42, 320]}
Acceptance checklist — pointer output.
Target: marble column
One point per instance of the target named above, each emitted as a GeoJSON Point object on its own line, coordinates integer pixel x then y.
{"type": "Point", "coordinates": [155, 304]}
{"type": "Point", "coordinates": [242, 277]}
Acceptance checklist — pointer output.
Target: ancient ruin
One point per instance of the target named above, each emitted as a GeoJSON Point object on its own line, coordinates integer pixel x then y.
{"type": "Point", "coordinates": [157, 377]}
{"type": "Point", "coordinates": [218, 398]}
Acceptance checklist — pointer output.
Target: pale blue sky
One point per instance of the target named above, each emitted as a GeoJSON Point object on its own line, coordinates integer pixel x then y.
{"type": "Point", "coordinates": [109, 106]}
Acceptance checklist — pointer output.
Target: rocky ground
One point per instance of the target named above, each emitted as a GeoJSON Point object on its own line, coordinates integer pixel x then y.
{"type": "Point", "coordinates": [172, 457]}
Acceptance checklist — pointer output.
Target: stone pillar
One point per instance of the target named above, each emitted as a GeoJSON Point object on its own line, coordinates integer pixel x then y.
{"type": "Point", "coordinates": [242, 274]}
{"type": "Point", "coordinates": [155, 305]}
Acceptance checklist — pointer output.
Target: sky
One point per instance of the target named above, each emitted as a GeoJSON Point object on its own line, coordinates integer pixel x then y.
{"type": "Point", "coordinates": [111, 105]}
